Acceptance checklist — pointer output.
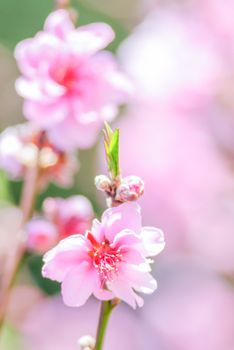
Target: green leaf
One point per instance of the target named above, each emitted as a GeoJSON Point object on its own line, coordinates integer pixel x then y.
{"type": "Point", "coordinates": [111, 143]}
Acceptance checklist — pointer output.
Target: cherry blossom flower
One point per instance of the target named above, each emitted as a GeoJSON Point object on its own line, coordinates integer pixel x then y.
{"type": "Point", "coordinates": [70, 86]}
{"type": "Point", "coordinates": [110, 260]}
{"type": "Point", "coordinates": [23, 145]}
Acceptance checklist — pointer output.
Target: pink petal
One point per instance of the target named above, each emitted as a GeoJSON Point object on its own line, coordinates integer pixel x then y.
{"type": "Point", "coordinates": [69, 253]}
{"type": "Point", "coordinates": [59, 23]}
{"type": "Point", "coordinates": [97, 230]}
{"type": "Point", "coordinates": [139, 279]}
{"type": "Point", "coordinates": [103, 294]}
{"type": "Point", "coordinates": [80, 135]}
{"type": "Point", "coordinates": [125, 216]}
{"type": "Point", "coordinates": [38, 55]}
{"type": "Point", "coordinates": [79, 284]}
{"type": "Point", "coordinates": [37, 91]}
{"type": "Point", "coordinates": [126, 238]}
{"type": "Point", "coordinates": [153, 241]}
{"type": "Point", "coordinates": [122, 290]}
{"type": "Point", "coordinates": [90, 38]}
{"type": "Point", "coordinates": [131, 255]}
{"type": "Point", "coordinates": [46, 114]}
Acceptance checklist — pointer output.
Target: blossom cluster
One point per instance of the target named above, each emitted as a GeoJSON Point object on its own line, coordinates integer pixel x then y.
{"type": "Point", "coordinates": [71, 86]}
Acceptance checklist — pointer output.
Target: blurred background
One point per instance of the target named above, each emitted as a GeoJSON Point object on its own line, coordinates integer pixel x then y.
{"type": "Point", "coordinates": [177, 133]}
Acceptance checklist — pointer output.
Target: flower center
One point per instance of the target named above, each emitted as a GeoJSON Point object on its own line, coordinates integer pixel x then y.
{"type": "Point", "coordinates": [105, 259]}
{"type": "Point", "coordinates": [65, 77]}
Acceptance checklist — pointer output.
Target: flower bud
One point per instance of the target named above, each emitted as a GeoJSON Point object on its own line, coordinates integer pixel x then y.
{"type": "Point", "coordinates": [41, 235]}
{"type": "Point", "coordinates": [102, 183]}
{"type": "Point", "coordinates": [86, 342]}
{"type": "Point", "coordinates": [130, 189]}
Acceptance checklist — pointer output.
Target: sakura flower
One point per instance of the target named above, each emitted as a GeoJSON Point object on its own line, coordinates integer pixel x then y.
{"type": "Point", "coordinates": [70, 86]}
{"type": "Point", "coordinates": [23, 145]}
{"type": "Point", "coordinates": [71, 215]}
{"type": "Point", "coordinates": [108, 261]}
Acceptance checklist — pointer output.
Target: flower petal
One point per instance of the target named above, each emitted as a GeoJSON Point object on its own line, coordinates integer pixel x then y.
{"type": "Point", "coordinates": [80, 135]}
{"type": "Point", "coordinates": [90, 38]}
{"type": "Point", "coordinates": [122, 290]}
{"type": "Point", "coordinates": [59, 23]}
{"type": "Point", "coordinates": [79, 284]}
{"type": "Point", "coordinates": [153, 241]}
{"type": "Point", "coordinates": [39, 112]}
{"type": "Point", "coordinates": [64, 257]}
{"type": "Point", "coordinates": [125, 216]}
{"type": "Point", "coordinates": [126, 238]}
{"type": "Point", "coordinates": [139, 279]}
{"type": "Point", "coordinates": [103, 294]}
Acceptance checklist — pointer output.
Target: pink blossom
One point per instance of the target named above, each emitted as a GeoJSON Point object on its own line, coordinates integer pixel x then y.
{"type": "Point", "coordinates": [108, 261]}
{"type": "Point", "coordinates": [172, 58]}
{"type": "Point", "coordinates": [71, 215]}
{"type": "Point", "coordinates": [70, 86]}
{"type": "Point", "coordinates": [23, 145]}
{"type": "Point", "coordinates": [41, 235]}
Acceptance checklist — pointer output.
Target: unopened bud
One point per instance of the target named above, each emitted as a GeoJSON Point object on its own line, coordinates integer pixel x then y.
{"type": "Point", "coordinates": [130, 189]}
{"type": "Point", "coordinates": [86, 342]}
{"type": "Point", "coordinates": [102, 183]}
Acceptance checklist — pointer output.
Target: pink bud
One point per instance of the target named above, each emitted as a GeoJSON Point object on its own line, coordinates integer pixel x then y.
{"type": "Point", "coordinates": [103, 183]}
{"type": "Point", "coordinates": [130, 189]}
{"type": "Point", "coordinates": [41, 235]}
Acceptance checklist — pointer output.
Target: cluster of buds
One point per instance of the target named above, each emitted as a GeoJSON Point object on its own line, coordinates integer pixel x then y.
{"type": "Point", "coordinates": [120, 190]}
{"type": "Point", "coordinates": [24, 146]}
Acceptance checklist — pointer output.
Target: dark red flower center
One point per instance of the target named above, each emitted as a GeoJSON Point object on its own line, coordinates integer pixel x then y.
{"type": "Point", "coordinates": [105, 258]}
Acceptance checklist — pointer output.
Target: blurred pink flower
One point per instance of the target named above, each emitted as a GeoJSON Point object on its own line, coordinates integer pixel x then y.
{"type": "Point", "coordinates": [61, 218]}
{"type": "Point", "coordinates": [110, 260]}
{"type": "Point", "coordinates": [41, 235]}
{"type": "Point", "coordinates": [70, 86]}
{"type": "Point", "coordinates": [23, 145]}
{"type": "Point", "coordinates": [172, 58]}
{"type": "Point", "coordinates": [71, 215]}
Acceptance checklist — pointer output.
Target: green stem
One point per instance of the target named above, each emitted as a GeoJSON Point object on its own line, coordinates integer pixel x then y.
{"type": "Point", "coordinates": [106, 308]}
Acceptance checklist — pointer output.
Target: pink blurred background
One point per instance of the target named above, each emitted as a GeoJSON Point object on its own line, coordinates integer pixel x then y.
{"type": "Point", "coordinates": [177, 133]}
